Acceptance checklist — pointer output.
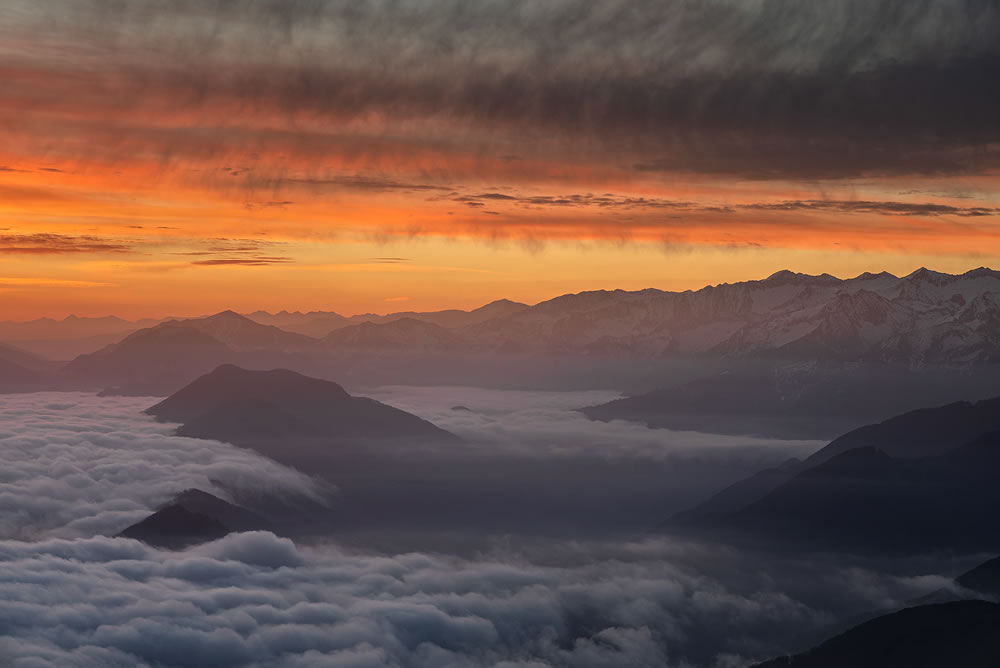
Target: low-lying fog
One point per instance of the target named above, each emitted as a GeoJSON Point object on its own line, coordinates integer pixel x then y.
{"type": "Point", "coordinates": [599, 591]}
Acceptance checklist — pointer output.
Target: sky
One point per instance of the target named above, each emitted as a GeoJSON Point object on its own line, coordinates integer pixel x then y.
{"type": "Point", "coordinates": [180, 157]}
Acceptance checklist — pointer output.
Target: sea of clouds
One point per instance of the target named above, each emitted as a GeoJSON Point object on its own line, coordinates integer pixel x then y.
{"type": "Point", "coordinates": [76, 465]}
{"type": "Point", "coordinates": [254, 599]}
{"type": "Point", "coordinates": [549, 424]}
{"type": "Point", "coordinates": [77, 469]}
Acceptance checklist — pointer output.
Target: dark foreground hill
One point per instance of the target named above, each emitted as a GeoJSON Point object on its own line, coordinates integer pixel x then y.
{"type": "Point", "coordinates": [920, 480]}
{"type": "Point", "coordinates": [287, 416]}
{"type": "Point", "coordinates": [917, 433]}
{"type": "Point", "coordinates": [963, 634]}
{"type": "Point", "coordinates": [174, 527]}
{"type": "Point", "coordinates": [984, 578]}
{"type": "Point", "coordinates": [864, 498]}
{"type": "Point", "coordinates": [193, 517]}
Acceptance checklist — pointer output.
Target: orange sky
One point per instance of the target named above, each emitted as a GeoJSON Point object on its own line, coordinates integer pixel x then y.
{"type": "Point", "coordinates": [169, 166]}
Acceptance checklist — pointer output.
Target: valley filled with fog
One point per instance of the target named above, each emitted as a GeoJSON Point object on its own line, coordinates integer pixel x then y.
{"type": "Point", "coordinates": [602, 590]}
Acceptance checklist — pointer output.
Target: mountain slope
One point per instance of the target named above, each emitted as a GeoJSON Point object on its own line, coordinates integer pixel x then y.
{"type": "Point", "coordinates": [912, 320]}
{"type": "Point", "coordinates": [229, 514]}
{"type": "Point", "coordinates": [961, 634]}
{"type": "Point", "coordinates": [243, 334]}
{"type": "Point", "coordinates": [315, 324]}
{"type": "Point", "coordinates": [24, 359]}
{"type": "Point", "coordinates": [175, 527]}
{"type": "Point", "coordinates": [268, 409]}
{"type": "Point", "coordinates": [167, 355]}
{"type": "Point", "coordinates": [319, 324]}
{"type": "Point", "coordinates": [15, 378]}
{"type": "Point", "coordinates": [866, 499]}
{"type": "Point", "coordinates": [984, 578]}
{"type": "Point", "coordinates": [920, 433]}
{"type": "Point", "coordinates": [404, 334]}
{"type": "Point", "coordinates": [451, 318]}
{"type": "Point", "coordinates": [193, 516]}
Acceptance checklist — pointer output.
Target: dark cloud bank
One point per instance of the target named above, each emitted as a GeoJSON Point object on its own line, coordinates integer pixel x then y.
{"type": "Point", "coordinates": [765, 89]}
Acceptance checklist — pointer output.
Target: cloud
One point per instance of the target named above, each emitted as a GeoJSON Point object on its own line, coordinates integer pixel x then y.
{"type": "Point", "coordinates": [245, 262]}
{"type": "Point", "coordinates": [883, 208]}
{"type": "Point", "coordinates": [362, 182]}
{"type": "Point", "coordinates": [530, 464]}
{"type": "Point", "coordinates": [612, 201]}
{"type": "Point", "coordinates": [57, 244]}
{"type": "Point", "coordinates": [237, 252]}
{"type": "Point", "coordinates": [607, 200]}
{"type": "Point", "coordinates": [19, 281]}
{"type": "Point", "coordinates": [541, 424]}
{"type": "Point", "coordinates": [76, 465]}
{"type": "Point", "coordinates": [254, 599]}
{"type": "Point", "coordinates": [726, 88]}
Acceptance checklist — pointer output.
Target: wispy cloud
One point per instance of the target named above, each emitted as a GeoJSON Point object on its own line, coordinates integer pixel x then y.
{"type": "Point", "coordinates": [243, 261]}
{"type": "Point", "coordinates": [47, 243]}
{"type": "Point", "coordinates": [19, 281]}
{"type": "Point", "coordinates": [883, 208]}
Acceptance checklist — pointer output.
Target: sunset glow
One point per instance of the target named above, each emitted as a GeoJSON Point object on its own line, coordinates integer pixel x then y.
{"type": "Point", "coordinates": [280, 150]}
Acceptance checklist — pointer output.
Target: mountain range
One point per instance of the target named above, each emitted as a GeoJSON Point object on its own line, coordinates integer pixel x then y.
{"type": "Point", "coordinates": [923, 318]}
{"type": "Point", "coordinates": [792, 355]}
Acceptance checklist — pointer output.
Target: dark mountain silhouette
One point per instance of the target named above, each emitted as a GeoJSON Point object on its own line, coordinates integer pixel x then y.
{"type": "Point", "coordinates": [315, 324]}
{"type": "Point", "coordinates": [984, 578]}
{"type": "Point", "coordinates": [273, 411]}
{"type": "Point", "coordinates": [229, 514]}
{"type": "Point", "coordinates": [319, 324]}
{"type": "Point", "coordinates": [739, 494]}
{"type": "Point", "coordinates": [865, 499]}
{"type": "Point", "coordinates": [407, 334]}
{"type": "Point", "coordinates": [175, 527]}
{"type": "Point", "coordinates": [243, 334]}
{"type": "Point", "coordinates": [70, 327]}
{"type": "Point", "coordinates": [194, 516]}
{"type": "Point", "coordinates": [16, 378]}
{"type": "Point", "coordinates": [24, 359]}
{"type": "Point", "coordinates": [70, 337]}
{"type": "Point", "coordinates": [451, 318]}
{"type": "Point", "coordinates": [919, 433]}
{"type": "Point", "coordinates": [165, 356]}
{"type": "Point", "coordinates": [160, 359]}
{"type": "Point", "coordinates": [815, 400]}
{"type": "Point", "coordinates": [961, 634]}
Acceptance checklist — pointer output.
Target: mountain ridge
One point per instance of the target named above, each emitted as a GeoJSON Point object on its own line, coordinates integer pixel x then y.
{"type": "Point", "coordinates": [275, 411]}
